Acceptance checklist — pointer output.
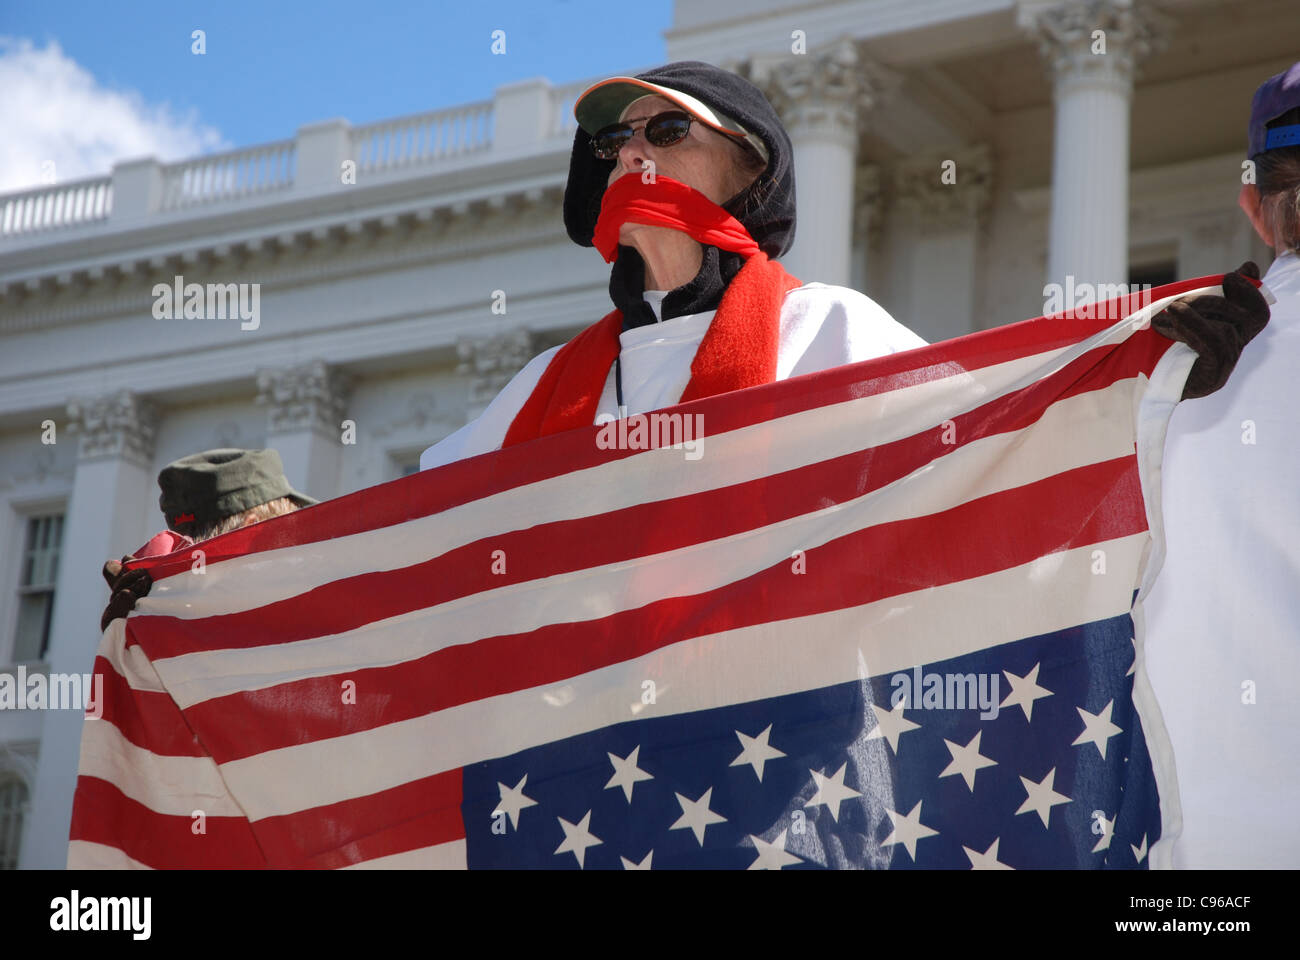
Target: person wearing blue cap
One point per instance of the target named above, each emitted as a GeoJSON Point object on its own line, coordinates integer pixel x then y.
{"type": "Point", "coordinates": [1223, 618]}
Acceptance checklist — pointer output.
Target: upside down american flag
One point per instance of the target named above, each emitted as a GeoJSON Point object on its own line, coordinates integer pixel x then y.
{"type": "Point", "coordinates": [775, 653]}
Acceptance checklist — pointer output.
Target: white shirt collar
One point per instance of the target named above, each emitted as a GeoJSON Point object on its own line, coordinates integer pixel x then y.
{"type": "Point", "coordinates": [656, 300]}
{"type": "Point", "coordinates": [1283, 277]}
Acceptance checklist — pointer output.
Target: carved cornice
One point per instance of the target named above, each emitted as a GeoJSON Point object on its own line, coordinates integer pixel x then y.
{"type": "Point", "coordinates": [491, 361]}
{"type": "Point", "coordinates": [310, 396]}
{"type": "Point", "coordinates": [826, 91]}
{"type": "Point", "coordinates": [946, 190]}
{"type": "Point", "coordinates": [119, 425]}
{"type": "Point", "coordinates": [1066, 34]}
{"type": "Point", "coordinates": [363, 243]}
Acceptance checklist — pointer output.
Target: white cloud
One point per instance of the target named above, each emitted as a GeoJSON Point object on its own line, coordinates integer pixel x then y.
{"type": "Point", "coordinates": [53, 109]}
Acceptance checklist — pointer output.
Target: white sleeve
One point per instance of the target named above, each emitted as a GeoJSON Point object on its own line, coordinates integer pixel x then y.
{"type": "Point", "coordinates": [826, 326]}
{"type": "Point", "coordinates": [488, 431]}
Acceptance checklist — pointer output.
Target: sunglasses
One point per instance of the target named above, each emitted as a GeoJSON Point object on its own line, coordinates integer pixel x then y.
{"type": "Point", "coordinates": [662, 130]}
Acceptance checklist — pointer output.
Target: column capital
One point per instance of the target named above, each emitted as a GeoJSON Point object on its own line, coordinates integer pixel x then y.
{"type": "Point", "coordinates": [117, 425]}
{"type": "Point", "coordinates": [866, 202]}
{"type": "Point", "coordinates": [1094, 40]}
{"type": "Point", "coordinates": [306, 396]}
{"type": "Point", "coordinates": [946, 189]}
{"type": "Point", "coordinates": [490, 361]}
{"type": "Point", "coordinates": [827, 90]}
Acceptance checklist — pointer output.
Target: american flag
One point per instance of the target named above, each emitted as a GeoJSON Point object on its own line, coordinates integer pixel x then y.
{"type": "Point", "coordinates": [770, 653]}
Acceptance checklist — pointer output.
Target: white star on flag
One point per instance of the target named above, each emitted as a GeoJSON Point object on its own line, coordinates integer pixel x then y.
{"type": "Point", "coordinates": [891, 724]}
{"type": "Point", "coordinates": [831, 791]}
{"type": "Point", "coordinates": [1024, 691]}
{"type": "Point", "coordinates": [908, 829]}
{"type": "Point", "coordinates": [643, 865]}
{"type": "Point", "coordinates": [513, 801]}
{"type": "Point", "coordinates": [1040, 797]}
{"type": "Point", "coordinates": [966, 761]}
{"type": "Point", "coordinates": [1140, 852]}
{"type": "Point", "coordinates": [1097, 729]}
{"type": "Point", "coordinates": [756, 752]}
{"type": "Point", "coordinates": [988, 860]}
{"type": "Point", "coordinates": [626, 774]}
{"type": "Point", "coordinates": [577, 838]}
{"type": "Point", "coordinates": [772, 856]}
{"type": "Point", "coordinates": [1107, 830]}
{"type": "Point", "coordinates": [696, 815]}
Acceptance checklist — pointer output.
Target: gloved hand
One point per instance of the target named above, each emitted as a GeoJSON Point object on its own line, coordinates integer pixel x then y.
{"type": "Point", "coordinates": [127, 587]}
{"type": "Point", "coordinates": [1217, 328]}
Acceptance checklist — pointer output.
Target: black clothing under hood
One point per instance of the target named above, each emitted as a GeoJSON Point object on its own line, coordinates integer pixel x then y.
{"type": "Point", "coordinates": [766, 208]}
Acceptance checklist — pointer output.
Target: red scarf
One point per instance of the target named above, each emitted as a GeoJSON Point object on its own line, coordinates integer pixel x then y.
{"type": "Point", "coordinates": [738, 350]}
{"type": "Point", "coordinates": [664, 202]}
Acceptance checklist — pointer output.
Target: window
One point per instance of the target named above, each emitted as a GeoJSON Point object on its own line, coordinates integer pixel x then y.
{"type": "Point", "coordinates": [13, 805]}
{"type": "Point", "coordinates": [40, 567]}
{"type": "Point", "coordinates": [1155, 274]}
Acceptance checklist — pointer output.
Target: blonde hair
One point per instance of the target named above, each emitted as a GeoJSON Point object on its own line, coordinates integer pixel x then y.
{"type": "Point", "coordinates": [263, 511]}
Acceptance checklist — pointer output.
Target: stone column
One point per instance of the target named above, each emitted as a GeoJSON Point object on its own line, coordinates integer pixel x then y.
{"type": "Point", "coordinates": [490, 362]}
{"type": "Point", "coordinates": [305, 408]}
{"type": "Point", "coordinates": [866, 224]}
{"type": "Point", "coordinates": [821, 97]}
{"type": "Point", "coordinates": [1213, 243]}
{"type": "Point", "coordinates": [114, 495]}
{"type": "Point", "coordinates": [940, 207]}
{"type": "Point", "coordinates": [1092, 47]}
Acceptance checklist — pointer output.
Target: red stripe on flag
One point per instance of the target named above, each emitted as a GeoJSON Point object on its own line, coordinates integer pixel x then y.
{"type": "Point", "coordinates": [150, 719]}
{"type": "Point", "coordinates": [101, 813]}
{"type": "Point", "coordinates": [547, 550]}
{"type": "Point", "coordinates": [463, 481]}
{"type": "Point", "coordinates": [1001, 530]}
{"type": "Point", "coordinates": [418, 814]}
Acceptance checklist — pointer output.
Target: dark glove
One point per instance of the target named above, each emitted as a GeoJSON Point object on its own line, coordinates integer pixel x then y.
{"type": "Point", "coordinates": [1217, 328]}
{"type": "Point", "coordinates": [127, 587]}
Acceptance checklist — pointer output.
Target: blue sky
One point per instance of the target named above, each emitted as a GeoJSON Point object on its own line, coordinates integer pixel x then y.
{"type": "Point", "coordinates": [272, 66]}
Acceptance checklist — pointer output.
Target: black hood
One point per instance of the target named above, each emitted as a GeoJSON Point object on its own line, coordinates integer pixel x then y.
{"type": "Point", "coordinates": [766, 208]}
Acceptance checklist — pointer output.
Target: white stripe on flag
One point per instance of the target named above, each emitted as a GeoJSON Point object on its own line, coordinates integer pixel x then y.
{"type": "Point", "coordinates": [1074, 432]}
{"type": "Point", "coordinates": [767, 660]}
{"type": "Point", "coordinates": [87, 855]}
{"type": "Point", "coordinates": [444, 856]}
{"type": "Point", "coordinates": [176, 786]}
{"type": "Point", "coordinates": [788, 442]}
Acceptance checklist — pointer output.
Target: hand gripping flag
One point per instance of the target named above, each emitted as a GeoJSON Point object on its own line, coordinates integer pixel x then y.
{"type": "Point", "coordinates": [878, 616]}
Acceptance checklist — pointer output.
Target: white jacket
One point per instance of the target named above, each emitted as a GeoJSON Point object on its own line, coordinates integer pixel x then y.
{"type": "Point", "coordinates": [1223, 617]}
{"type": "Point", "coordinates": [821, 327]}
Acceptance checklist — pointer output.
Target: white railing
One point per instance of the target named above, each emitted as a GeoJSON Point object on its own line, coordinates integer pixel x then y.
{"type": "Point", "coordinates": [142, 188]}
{"type": "Point", "coordinates": [422, 138]}
{"type": "Point", "coordinates": [58, 205]}
{"type": "Point", "coordinates": [563, 99]}
{"type": "Point", "coordinates": [228, 176]}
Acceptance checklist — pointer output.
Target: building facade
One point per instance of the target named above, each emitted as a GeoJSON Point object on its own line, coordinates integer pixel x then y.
{"type": "Point", "coordinates": [367, 290]}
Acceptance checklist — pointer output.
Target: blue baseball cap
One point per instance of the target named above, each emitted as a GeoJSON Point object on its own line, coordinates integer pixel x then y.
{"type": "Point", "coordinates": [1275, 96]}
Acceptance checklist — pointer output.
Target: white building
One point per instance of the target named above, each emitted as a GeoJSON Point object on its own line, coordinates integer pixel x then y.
{"type": "Point", "coordinates": [376, 302]}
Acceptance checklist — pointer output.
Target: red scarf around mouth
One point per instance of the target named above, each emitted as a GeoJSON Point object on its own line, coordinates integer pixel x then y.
{"type": "Point", "coordinates": [738, 350]}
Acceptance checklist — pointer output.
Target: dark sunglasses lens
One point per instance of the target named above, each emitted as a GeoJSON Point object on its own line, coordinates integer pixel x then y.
{"type": "Point", "coordinates": [661, 130]}
{"type": "Point", "coordinates": [667, 128]}
{"type": "Point", "coordinates": [608, 142]}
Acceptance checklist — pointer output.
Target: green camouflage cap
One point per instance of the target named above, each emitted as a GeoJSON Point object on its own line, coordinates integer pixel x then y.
{"type": "Point", "coordinates": [203, 488]}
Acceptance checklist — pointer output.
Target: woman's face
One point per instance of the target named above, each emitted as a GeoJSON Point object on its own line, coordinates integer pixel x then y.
{"type": "Point", "coordinates": [704, 160]}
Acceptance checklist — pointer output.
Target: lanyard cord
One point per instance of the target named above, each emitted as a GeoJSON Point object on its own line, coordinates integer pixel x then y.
{"type": "Point", "coordinates": [618, 382]}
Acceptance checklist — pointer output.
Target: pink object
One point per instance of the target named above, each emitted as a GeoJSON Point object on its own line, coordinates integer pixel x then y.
{"type": "Point", "coordinates": [162, 544]}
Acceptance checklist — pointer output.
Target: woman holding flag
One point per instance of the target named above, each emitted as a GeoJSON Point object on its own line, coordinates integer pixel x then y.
{"type": "Point", "coordinates": [683, 179]}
